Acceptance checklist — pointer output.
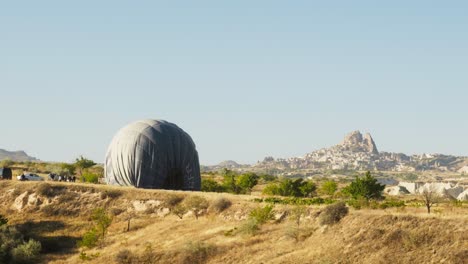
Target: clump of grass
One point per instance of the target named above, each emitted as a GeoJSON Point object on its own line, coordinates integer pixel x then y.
{"type": "Point", "coordinates": [148, 256]}
{"type": "Point", "coordinates": [262, 214]}
{"type": "Point", "coordinates": [257, 217]}
{"type": "Point", "coordinates": [197, 204]}
{"type": "Point", "coordinates": [198, 253]}
{"type": "Point", "coordinates": [111, 194]}
{"type": "Point", "coordinates": [45, 189]}
{"type": "Point", "coordinates": [332, 214]}
{"type": "Point", "coordinates": [173, 200]}
{"type": "Point", "coordinates": [221, 204]}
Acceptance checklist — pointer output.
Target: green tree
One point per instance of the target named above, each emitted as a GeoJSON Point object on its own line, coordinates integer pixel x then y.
{"type": "Point", "coordinates": [288, 187]}
{"type": "Point", "coordinates": [210, 185]}
{"type": "Point", "coordinates": [246, 182]}
{"type": "Point", "coordinates": [102, 220]}
{"type": "Point", "coordinates": [67, 169]}
{"type": "Point", "coordinates": [82, 163]}
{"type": "Point", "coordinates": [329, 187]}
{"type": "Point", "coordinates": [365, 187]}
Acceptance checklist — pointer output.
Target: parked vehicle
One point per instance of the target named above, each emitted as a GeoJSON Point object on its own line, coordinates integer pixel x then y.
{"type": "Point", "coordinates": [5, 173]}
{"type": "Point", "coordinates": [29, 177]}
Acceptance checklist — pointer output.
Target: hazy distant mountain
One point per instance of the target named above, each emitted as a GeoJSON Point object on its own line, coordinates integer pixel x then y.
{"type": "Point", "coordinates": [358, 152]}
{"type": "Point", "coordinates": [15, 155]}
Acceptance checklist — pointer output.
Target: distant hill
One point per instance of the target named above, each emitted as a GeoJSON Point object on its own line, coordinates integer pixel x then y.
{"type": "Point", "coordinates": [15, 155]}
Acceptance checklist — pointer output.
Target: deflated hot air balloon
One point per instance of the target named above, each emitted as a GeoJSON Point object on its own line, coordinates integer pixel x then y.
{"type": "Point", "coordinates": [153, 154]}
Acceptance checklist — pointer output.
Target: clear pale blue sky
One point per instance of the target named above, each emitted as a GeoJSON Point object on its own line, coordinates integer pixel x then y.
{"type": "Point", "coordinates": [246, 79]}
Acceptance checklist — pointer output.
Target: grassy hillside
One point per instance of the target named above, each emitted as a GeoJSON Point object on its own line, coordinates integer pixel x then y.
{"type": "Point", "coordinates": [143, 229]}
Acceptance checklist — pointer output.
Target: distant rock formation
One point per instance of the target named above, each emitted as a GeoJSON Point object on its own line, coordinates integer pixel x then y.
{"type": "Point", "coordinates": [355, 142]}
{"type": "Point", "coordinates": [15, 155]}
{"type": "Point", "coordinates": [359, 152]}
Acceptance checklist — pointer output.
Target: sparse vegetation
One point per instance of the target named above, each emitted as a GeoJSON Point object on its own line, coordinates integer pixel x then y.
{"type": "Point", "coordinates": [430, 197]}
{"type": "Point", "coordinates": [15, 249]}
{"type": "Point", "coordinates": [179, 210]}
{"type": "Point", "coordinates": [332, 214]}
{"type": "Point", "coordinates": [197, 204]}
{"type": "Point", "coordinates": [102, 222]}
{"type": "Point", "coordinates": [288, 187]}
{"type": "Point", "coordinates": [220, 204]}
{"type": "Point", "coordinates": [198, 252]}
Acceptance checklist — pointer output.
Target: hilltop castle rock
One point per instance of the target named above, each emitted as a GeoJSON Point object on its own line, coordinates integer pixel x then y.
{"type": "Point", "coordinates": [355, 142]}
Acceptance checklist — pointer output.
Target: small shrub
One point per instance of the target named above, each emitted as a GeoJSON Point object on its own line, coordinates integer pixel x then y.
{"type": "Point", "coordinates": [67, 197]}
{"type": "Point", "coordinates": [197, 204]}
{"type": "Point", "coordinates": [221, 204]}
{"type": "Point", "coordinates": [89, 239]}
{"type": "Point", "coordinates": [90, 177]}
{"type": "Point", "coordinates": [173, 200]}
{"type": "Point", "coordinates": [262, 214]}
{"type": "Point", "coordinates": [125, 256]}
{"type": "Point", "coordinates": [112, 194]}
{"type": "Point", "coordinates": [102, 220]}
{"type": "Point", "coordinates": [116, 211]}
{"type": "Point", "coordinates": [333, 213]}
{"type": "Point", "coordinates": [179, 210]}
{"type": "Point", "coordinates": [250, 227]}
{"type": "Point", "coordinates": [198, 253]}
{"type": "Point", "coordinates": [27, 252]}
{"type": "Point", "coordinates": [210, 185]}
{"type": "Point", "coordinates": [149, 256]}
{"type": "Point", "coordinates": [85, 257]}
{"type": "Point", "coordinates": [47, 190]}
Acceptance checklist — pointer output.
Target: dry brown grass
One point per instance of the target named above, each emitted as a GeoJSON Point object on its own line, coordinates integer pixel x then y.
{"type": "Point", "coordinates": [364, 236]}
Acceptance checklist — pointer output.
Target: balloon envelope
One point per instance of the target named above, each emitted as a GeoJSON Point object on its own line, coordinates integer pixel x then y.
{"type": "Point", "coordinates": [153, 154]}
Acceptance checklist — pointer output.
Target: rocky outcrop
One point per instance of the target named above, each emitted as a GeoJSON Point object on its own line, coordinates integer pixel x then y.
{"type": "Point", "coordinates": [356, 142]}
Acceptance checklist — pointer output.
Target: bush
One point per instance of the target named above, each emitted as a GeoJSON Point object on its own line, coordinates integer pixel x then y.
{"type": "Point", "coordinates": [333, 213]}
{"type": "Point", "coordinates": [262, 214]}
{"type": "Point", "coordinates": [288, 187]}
{"type": "Point", "coordinates": [250, 227]}
{"type": "Point", "coordinates": [48, 190]}
{"type": "Point", "coordinates": [90, 177]}
{"type": "Point", "coordinates": [89, 239]}
{"type": "Point", "coordinates": [197, 204]}
{"type": "Point", "coordinates": [173, 200]}
{"type": "Point", "coordinates": [14, 249]}
{"type": "Point", "coordinates": [125, 256]}
{"type": "Point", "coordinates": [198, 253]}
{"type": "Point", "coordinates": [27, 252]}
{"type": "Point", "coordinates": [329, 187]}
{"type": "Point", "coordinates": [102, 222]}
{"type": "Point", "coordinates": [221, 204]}
{"type": "Point", "coordinates": [210, 185]}
{"type": "Point", "coordinates": [365, 187]}
{"type": "Point", "coordinates": [179, 210]}
{"type": "Point", "coordinates": [112, 194]}
{"type": "Point", "coordinates": [239, 184]}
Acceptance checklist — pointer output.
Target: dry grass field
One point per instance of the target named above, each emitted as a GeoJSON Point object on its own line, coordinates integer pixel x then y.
{"type": "Point", "coordinates": [143, 229]}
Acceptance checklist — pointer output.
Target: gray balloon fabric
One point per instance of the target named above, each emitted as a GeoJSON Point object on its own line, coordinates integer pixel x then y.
{"type": "Point", "coordinates": [153, 154]}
